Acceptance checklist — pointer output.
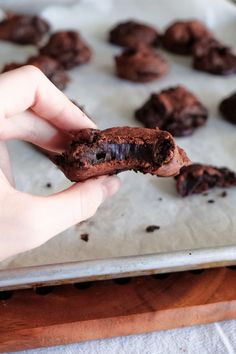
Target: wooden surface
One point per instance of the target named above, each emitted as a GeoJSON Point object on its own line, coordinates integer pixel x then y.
{"type": "Point", "coordinates": [107, 309]}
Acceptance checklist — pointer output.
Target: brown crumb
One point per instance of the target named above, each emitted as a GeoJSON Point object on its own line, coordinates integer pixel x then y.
{"type": "Point", "coordinates": [84, 237]}
{"type": "Point", "coordinates": [49, 185]}
{"type": "Point", "coordinates": [211, 201]}
{"type": "Point", "coordinates": [160, 199]}
{"type": "Point", "coordinates": [223, 194]}
{"type": "Point", "coordinates": [205, 194]}
{"type": "Point", "coordinates": [152, 228]}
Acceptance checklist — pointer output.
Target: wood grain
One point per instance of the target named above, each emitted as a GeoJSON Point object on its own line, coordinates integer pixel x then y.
{"type": "Point", "coordinates": [107, 309]}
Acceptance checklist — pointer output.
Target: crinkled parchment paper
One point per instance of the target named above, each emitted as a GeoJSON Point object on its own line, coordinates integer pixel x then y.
{"type": "Point", "coordinates": [118, 228]}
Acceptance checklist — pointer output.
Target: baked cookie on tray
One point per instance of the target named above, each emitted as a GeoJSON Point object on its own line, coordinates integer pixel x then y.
{"type": "Point", "coordinates": [227, 108]}
{"type": "Point", "coordinates": [181, 36]}
{"type": "Point", "coordinates": [23, 29]}
{"type": "Point", "coordinates": [68, 48]}
{"type": "Point", "coordinates": [132, 34]}
{"type": "Point", "coordinates": [141, 65]}
{"type": "Point", "coordinates": [175, 109]}
{"type": "Point", "coordinates": [211, 56]}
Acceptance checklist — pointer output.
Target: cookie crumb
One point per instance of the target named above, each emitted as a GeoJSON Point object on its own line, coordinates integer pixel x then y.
{"type": "Point", "coordinates": [205, 194]}
{"type": "Point", "coordinates": [48, 185]}
{"type": "Point", "coordinates": [152, 228]}
{"type": "Point", "coordinates": [211, 201]}
{"type": "Point", "coordinates": [84, 237]}
{"type": "Point", "coordinates": [160, 199]}
{"type": "Point", "coordinates": [223, 194]}
{"type": "Point", "coordinates": [190, 254]}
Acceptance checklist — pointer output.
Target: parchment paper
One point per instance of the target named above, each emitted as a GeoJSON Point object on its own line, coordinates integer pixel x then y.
{"type": "Point", "coordinates": [118, 228]}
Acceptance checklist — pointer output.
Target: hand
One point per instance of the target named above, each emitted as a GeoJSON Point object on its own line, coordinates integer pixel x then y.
{"type": "Point", "coordinates": [34, 110]}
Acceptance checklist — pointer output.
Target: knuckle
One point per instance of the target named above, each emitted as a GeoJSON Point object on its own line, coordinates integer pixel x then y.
{"type": "Point", "coordinates": [32, 71]}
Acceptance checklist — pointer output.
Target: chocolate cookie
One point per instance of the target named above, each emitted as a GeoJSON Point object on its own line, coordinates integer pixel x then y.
{"type": "Point", "coordinates": [175, 109]}
{"type": "Point", "coordinates": [132, 34]}
{"type": "Point", "coordinates": [181, 36]}
{"type": "Point", "coordinates": [94, 153]}
{"type": "Point", "coordinates": [141, 65]}
{"type": "Point", "coordinates": [49, 66]}
{"type": "Point", "coordinates": [228, 108]}
{"type": "Point", "coordinates": [68, 48]}
{"type": "Point", "coordinates": [214, 57]}
{"type": "Point", "coordinates": [198, 178]}
{"type": "Point", "coordinates": [23, 29]}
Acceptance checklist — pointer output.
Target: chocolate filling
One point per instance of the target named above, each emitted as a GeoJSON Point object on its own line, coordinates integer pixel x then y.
{"type": "Point", "coordinates": [107, 151]}
{"type": "Point", "coordinates": [95, 153]}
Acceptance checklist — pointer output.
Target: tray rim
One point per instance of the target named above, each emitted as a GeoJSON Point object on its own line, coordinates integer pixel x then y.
{"type": "Point", "coordinates": [118, 267]}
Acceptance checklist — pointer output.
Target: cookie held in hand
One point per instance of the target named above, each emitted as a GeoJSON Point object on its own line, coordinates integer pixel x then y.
{"type": "Point", "coordinates": [94, 153]}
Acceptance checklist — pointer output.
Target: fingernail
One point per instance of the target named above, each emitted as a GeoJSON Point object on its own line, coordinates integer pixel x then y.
{"type": "Point", "coordinates": [111, 185]}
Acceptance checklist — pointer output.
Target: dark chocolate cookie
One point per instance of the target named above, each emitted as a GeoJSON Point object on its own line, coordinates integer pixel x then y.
{"type": "Point", "coordinates": [198, 178]}
{"type": "Point", "coordinates": [228, 108]}
{"type": "Point", "coordinates": [175, 109]}
{"type": "Point", "coordinates": [132, 34]}
{"type": "Point", "coordinates": [49, 66]}
{"type": "Point", "coordinates": [181, 36]}
{"type": "Point", "coordinates": [68, 48]}
{"type": "Point", "coordinates": [141, 65]}
{"type": "Point", "coordinates": [94, 153]}
{"type": "Point", "coordinates": [23, 29]}
{"type": "Point", "coordinates": [214, 57]}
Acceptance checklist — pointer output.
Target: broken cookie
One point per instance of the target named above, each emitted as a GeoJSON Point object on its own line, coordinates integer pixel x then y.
{"type": "Point", "coordinates": [95, 153]}
{"type": "Point", "coordinates": [198, 178]}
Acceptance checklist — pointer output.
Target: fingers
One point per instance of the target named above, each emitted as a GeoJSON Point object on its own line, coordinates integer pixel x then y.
{"type": "Point", "coordinates": [28, 221]}
{"type": "Point", "coordinates": [41, 96]}
{"type": "Point", "coordinates": [29, 127]}
{"type": "Point", "coordinates": [5, 166]}
{"type": "Point", "coordinates": [54, 214]}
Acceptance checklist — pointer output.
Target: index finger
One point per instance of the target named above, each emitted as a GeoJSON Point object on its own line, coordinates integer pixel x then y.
{"type": "Point", "coordinates": [28, 88]}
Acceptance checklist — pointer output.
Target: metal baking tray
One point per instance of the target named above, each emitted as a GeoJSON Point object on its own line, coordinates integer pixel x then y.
{"type": "Point", "coordinates": [193, 234]}
{"type": "Point", "coordinates": [116, 268]}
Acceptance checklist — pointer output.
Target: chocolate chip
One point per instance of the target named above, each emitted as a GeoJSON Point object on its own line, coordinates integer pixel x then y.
{"type": "Point", "coordinates": [152, 228]}
{"type": "Point", "coordinates": [211, 201]}
{"type": "Point", "coordinates": [84, 237]}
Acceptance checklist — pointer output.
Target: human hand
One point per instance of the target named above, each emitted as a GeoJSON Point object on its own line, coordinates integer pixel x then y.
{"type": "Point", "coordinates": [34, 110]}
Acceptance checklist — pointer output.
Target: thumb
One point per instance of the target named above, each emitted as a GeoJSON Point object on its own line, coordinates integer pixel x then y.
{"type": "Point", "coordinates": [56, 213]}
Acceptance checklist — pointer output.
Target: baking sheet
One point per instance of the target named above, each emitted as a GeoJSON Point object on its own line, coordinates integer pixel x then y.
{"type": "Point", "coordinates": [118, 228]}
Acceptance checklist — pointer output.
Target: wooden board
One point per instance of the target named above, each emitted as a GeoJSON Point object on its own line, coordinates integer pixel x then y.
{"type": "Point", "coordinates": [107, 308]}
